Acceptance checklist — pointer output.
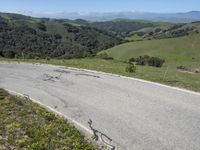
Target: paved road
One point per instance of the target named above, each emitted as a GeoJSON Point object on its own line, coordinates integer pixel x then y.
{"type": "Point", "coordinates": [136, 115]}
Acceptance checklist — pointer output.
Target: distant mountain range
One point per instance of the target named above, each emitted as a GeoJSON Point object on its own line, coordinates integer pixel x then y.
{"type": "Point", "coordinates": [166, 17]}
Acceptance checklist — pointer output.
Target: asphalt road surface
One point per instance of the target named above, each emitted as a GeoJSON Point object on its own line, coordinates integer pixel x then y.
{"type": "Point", "coordinates": [136, 115]}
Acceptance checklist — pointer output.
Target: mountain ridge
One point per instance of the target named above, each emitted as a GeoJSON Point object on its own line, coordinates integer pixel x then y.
{"type": "Point", "coordinates": [180, 17]}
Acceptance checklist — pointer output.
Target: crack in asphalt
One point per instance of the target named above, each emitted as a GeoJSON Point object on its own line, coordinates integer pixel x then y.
{"type": "Point", "coordinates": [136, 114]}
{"type": "Point", "coordinates": [50, 78]}
{"type": "Point", "coordinates": [88, 75]}
{"type": "Point", "coordinates": [98, 134]}
{"type": "Point", "coordinates": [77, 74]}
{"type": "Point", "coordinates": [62, 71]}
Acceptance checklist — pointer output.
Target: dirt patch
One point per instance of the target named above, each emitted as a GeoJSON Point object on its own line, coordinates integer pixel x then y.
{"type": "Point", "coordinates": [188, 70]}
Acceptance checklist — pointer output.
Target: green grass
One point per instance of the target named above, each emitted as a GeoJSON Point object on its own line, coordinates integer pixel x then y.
{"type": "Point", "coordinates": [173, 77]}
{"type": "Point", "coordinates": [134, 38]}
{"type": "Point", "coordinates": [183, 51]}
{"type": "Point", "coordinates": [175, 50]}
{"type": "Point", "coordinates": [25, 125]}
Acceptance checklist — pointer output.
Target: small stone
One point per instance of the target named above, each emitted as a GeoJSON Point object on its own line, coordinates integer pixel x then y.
{"type": "Point", "coordinates": [197, 71]}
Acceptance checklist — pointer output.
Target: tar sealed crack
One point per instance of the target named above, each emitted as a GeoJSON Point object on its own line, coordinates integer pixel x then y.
{"type": "Point", "coordinates": [50, 78]}
{"type": "Point", "coordinates": [87, 75]}
{"type": "Point", "coordinates": [62, 71]}
{"type": "Point", "coordinates": [103, 137]}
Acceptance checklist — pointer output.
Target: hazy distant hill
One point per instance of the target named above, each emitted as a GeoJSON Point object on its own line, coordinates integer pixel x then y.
{"type": "Point", "coordinates": [120, 26]}
{"type": "Point", "coordinates": [142, 29]}
{"type": "Point", "coordinates": [125, 26]}
{"type": "Point", "coordinates": [168, 17]}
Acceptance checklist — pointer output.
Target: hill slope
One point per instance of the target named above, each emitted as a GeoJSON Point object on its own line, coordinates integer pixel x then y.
{"type": "Point", "coordinates": [22, 36]}
{"type": "Point", "coordinates": [119, 26]}
{"type": "Point", "coordinates": [142, 29]}
{"type": "Point", "coordinates": [123, 26]}
{"type": "Point", "coordinates": [174, 50]}
{"type": "Point", "coordinates": [182, 56]}
{"type": "Point", "coordinates": [167, 31]}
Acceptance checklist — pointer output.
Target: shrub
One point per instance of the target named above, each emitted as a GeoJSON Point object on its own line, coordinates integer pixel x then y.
{"type": "Point", "coordinates": [131, 60]}
{"type": "Point", "coordinates": [131, 68]}
{"type": "Point", "coordinates": [37, 57]}
{"type": "Point", "coordinates": [156, 62]}
{"type": "Point", "coordinates": [41, 26]}
{"type": "Point", "coordinates": [48, 58]}
{"type": "Point", "coordinates": [8, 54]}
{"type": "Point", "coordinates": [142, 60]}
{"type": "Point", "coordinates": [158, 30]}
{"type": "Point", "coordinates": [104, 56]}
{"type": "Point", "coordinates": [58, 36]}
{"type": "Point", "coordinates": [150, 61]}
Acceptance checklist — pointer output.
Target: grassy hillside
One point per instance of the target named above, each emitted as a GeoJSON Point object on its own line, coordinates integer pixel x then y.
{"type": "Point", "coordinates": [134, 30]}
{"type": "Point", "coordinates": [165, 31]}
{"type": "Point", "coordinates": [182, 56]}
{"type": "Point", "coordinates": [174, 50]}
{"type": "Point", "coordinates": [22, 36]}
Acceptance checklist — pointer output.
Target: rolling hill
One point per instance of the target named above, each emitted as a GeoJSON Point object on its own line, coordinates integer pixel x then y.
{"type": "Point", "coordinates": [181, 55]}
{"type": "Point", "coordinates": [124, 26]}
{"type": "Point", "coordinates": [181, 50]}
{"type": "Point", "coordinates": [23, 36]}
{"type": "Point", "coordinates": [119, 26]}
{"type": "Point", "coordinates": [142, 29]}
{"type": "Point", "coordinates": [166, 31]}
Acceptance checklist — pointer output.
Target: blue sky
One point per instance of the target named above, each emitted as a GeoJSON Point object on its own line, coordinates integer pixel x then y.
{"type": "Point", "coordinates": [99, 5]}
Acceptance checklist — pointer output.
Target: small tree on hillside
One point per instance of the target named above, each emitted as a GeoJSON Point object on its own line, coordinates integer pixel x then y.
{"type": "Point", "coordinates": [131, 68]}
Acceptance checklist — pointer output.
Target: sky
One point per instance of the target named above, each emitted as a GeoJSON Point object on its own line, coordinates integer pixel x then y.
{"type": "Point", "coordinates": [84, 6]}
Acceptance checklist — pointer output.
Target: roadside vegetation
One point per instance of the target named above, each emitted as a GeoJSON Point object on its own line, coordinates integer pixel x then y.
{"type": "Point", "coordinates": [25, 125]}
{"type": "Point", "coordinates": [131, 68]}
{"type": "Point", "coordinates": [147, 60]}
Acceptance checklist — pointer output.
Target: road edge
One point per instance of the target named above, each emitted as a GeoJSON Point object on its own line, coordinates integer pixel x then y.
{"type": "Point", "coordinates": [84, 130]}
{"type": "Point", "coordinates": [112, 74]}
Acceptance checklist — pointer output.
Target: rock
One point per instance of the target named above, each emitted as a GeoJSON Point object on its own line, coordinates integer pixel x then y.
{"type": "Point", "coordinates": [197, 71]}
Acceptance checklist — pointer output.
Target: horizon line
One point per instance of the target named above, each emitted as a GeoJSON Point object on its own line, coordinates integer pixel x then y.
{"type": "Point", "coordinates": [88, 13]}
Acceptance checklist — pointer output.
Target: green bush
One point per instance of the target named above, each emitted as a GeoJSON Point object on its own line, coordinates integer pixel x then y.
{"type": "Point", "coordinates": [37, 57]}
{"type": "Point", "coordinates": [48, 58]}
{"type": "Point", "coordinates": [132, 60]}
{"type": "Point", "coordinates": [131, 68]}
{"type": "Point", "coordinates": [58, 36]}
{"type": "Point", "coordinates": [41, 26]}
{"type": "Point", "coordinates": [156, 62]}
{"type": "Point", "coordinates": [150, 61]}
{"type": "Point", "coordinates": [104, 56]}
{"type": "Point", "coordinates": [8, 54]}
{"type": "Point", "coordinates": [142, 60]}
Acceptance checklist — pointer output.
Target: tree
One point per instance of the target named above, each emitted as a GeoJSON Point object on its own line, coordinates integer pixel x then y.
{"type": "Point", "coordinates": [132, 60]}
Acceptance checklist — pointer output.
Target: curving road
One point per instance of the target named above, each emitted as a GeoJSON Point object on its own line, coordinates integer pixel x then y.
{"type": "Point", "coordinates": [135, 114]}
